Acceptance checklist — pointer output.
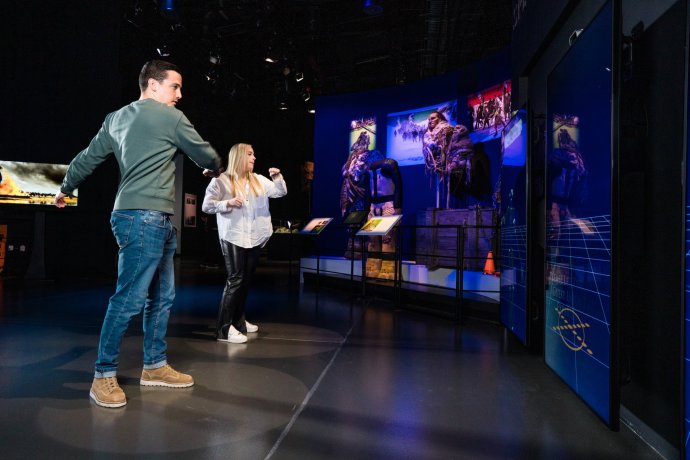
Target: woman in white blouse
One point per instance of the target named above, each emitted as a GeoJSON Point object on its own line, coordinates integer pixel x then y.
{"type": "Point", "coordinates": [239, 199]}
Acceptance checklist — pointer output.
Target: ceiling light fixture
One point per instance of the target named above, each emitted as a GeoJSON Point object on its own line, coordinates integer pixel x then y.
{"type": "Point", "coordinates": [270, 56]}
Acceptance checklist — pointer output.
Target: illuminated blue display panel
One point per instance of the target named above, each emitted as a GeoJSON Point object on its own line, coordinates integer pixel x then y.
{"type": "Point", "coordinates": [577, 321]}
{"type": "Point", "coordinates": [513, 254]}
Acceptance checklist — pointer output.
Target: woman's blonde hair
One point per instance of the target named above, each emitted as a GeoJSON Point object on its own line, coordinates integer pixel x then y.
{"type": "Point", "coordinates": [237, 167]}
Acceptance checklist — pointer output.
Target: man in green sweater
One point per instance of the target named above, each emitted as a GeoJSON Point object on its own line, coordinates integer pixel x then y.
{"type": "Point", "coordinates": [144, 136]}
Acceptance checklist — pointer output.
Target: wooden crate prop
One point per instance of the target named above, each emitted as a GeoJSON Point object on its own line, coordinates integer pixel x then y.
{"type": "Point", "coordinates": [437, 247]}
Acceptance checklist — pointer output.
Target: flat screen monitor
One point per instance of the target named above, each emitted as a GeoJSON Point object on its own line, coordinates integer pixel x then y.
{"type": "Point", "coordinates": [356, 218]}
{"type": "Point", "coordinates": [32, 183]}
{"type": "Point", "coordinates": [379, 226]}
{"type": "Point", "coordinates": [363, 134]}
{"type": "Point", "coordinates": [405, 131]}
{"type": "Point", "coordinates": [316, 225]}
{"type": "Point", "coordinates": [489, 111]}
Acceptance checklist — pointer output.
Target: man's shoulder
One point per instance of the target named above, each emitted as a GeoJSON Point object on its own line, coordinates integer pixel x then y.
{"type": "Point", "coordinates": [158, 107]}
{"type": "Point", "coordinates": [147, 108]}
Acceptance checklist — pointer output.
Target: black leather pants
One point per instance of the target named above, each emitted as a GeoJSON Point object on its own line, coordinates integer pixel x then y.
{"type": "Point", "coordinates": [240, 264]}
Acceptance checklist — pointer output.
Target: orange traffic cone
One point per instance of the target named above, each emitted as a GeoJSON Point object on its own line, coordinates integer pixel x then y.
{"type": "Point", "coordinates": [489, 267]}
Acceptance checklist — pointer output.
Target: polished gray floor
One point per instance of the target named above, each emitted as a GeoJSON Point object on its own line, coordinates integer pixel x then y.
{"type": "Point", "coordinates": [329, 375]}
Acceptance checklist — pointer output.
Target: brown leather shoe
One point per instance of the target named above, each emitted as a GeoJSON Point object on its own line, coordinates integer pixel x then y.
{"type": "Point", "coordinates": [107, 393]}
{"type": "Point", "coordinates": [165, 376]}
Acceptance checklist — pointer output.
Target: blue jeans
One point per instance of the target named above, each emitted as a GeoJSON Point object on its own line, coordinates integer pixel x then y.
{"type": "Point", "coordinates": [145, 280]}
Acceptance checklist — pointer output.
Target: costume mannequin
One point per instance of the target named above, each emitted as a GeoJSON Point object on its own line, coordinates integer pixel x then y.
{"type": "Point", "coordinates": [459, 161]}
{"type": "Point", "coordinates": [354, 191]}
{"type": "Point", "coordinates": [386, 200]}
{"type": "Point", "coordinates": [434, 146]}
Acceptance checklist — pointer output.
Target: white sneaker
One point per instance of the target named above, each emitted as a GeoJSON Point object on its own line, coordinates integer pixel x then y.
{"type": "Point", "coordinates": [251, 327]}
{"type": "Point", "coordinates": [234, 336]}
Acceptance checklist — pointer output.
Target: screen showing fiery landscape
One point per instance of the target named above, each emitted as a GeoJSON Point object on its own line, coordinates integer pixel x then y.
{"type": "Point", "coordinates": [31, 183]}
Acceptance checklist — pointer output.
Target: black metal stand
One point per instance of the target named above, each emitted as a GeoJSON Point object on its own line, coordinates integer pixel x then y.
{"type": "Point", "coordinates": [459, 272]}
{"type": "Point", "coordinates": [365, 254]}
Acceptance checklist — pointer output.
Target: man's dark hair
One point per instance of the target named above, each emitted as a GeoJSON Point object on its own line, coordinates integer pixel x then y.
{"type": "Point", "coordinates": [158, 70]}
{"type": "Point", "coordinates": [440, 115]}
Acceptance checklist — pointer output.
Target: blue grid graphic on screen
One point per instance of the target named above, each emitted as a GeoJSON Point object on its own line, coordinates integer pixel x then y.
{"type": "Point", "coordinates": [578, 304]}
{"type": "Point", "coordinates": [513, 279]}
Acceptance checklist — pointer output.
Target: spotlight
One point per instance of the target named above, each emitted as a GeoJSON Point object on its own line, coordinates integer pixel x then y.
{"type": "Point", "coordinates": [163, 50]}
{"type": "Point", "coordinates": [270, 56]}
{"type": "Point", "coordinates": [214, 58]}
{"type": "Point", "coordinates": [299, 76]}
{"type": "Point", "coordinates": [283, 106]}
{"type": "Point", "coordinates": [306, 96]}
{"type": "Point", "coordinates": [311, 110]}
{"type": "Point", "coordinates": [212, 76]}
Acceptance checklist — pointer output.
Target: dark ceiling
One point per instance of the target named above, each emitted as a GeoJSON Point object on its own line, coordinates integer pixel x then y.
{"type": "Point", "coordinates": [338, 46]}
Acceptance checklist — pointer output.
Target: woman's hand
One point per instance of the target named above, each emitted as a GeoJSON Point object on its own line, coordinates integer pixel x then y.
{"type": "Point", "coordinates": [274, 172]}
{"type": "Point", "coordinates": [235, 202]}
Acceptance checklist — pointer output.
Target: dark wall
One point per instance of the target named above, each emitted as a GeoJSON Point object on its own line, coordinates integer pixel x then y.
{"type": "Point", "coordinates": [534, 28]}
{"type": "Point", "coordinates": [60, 79]}
{"type": "Point", "coordinates": [651, 200]}
{"type": "Point", "coordinates": [70, 63]}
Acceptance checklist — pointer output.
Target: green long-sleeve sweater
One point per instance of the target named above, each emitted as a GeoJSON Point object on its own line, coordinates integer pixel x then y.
{"type": "Point", "coordinates": [144, 137]}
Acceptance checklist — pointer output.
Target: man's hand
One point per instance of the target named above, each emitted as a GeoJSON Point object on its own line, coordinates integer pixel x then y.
{"type": "Point", "coordinates": [59, 200]}
{"type": "Point", "coordinates": [212, 173]}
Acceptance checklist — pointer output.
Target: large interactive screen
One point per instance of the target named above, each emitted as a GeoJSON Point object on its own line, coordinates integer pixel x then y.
{"type": "Point", "coordinates": [405, 131]}
{"type": "Point", "coordinates": [578, 321]}
{"type": "Point", "coordinates": [513, 252]}
{"type": "Point", "coordinates": [31, 183]}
